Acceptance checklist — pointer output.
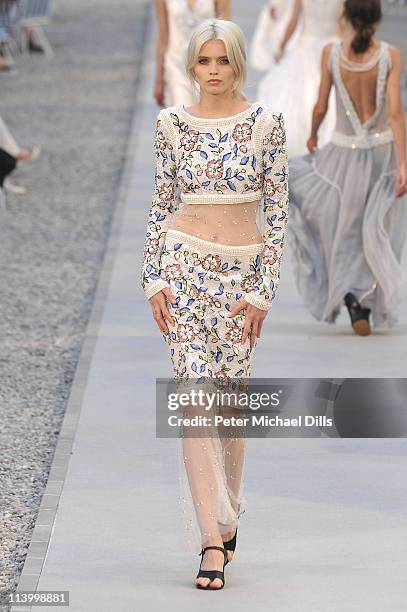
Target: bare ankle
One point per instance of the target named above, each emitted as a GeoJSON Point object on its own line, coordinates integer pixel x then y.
{"type": "Point", "coordinates": [215, 540]}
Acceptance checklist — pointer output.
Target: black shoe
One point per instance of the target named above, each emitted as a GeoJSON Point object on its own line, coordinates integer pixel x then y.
{"type": "Point", "coordinates": [359, 316]}
{"type": "Point", "coordinates": [230, 545]}
{"type": "Point", "coordinates": [212, 574]}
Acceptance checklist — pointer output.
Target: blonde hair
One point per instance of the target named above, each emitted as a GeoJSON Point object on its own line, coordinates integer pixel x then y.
{"type": "Point", "coordinates": [233, 39]}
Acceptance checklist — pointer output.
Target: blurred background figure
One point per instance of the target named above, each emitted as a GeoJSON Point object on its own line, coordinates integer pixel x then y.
{"type": "Point", "coordinates": [268, 34]}
{"type": "Point", "coordinates": [9, 17]}
{"type": "Point", "coordinates": [21, 28]}
{"type": "Point", "coordinates": [348, 203]}
{"type": "Point", "coordinates": [292, 84]}
{"type": "Point", "coordinates": [11, 154]}
{"type": "Point", "coordinates": [176, 19]}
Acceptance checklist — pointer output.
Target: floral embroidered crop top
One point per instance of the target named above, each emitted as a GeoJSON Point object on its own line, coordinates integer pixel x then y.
{"type": "Point", "coordinates": [232, 160]}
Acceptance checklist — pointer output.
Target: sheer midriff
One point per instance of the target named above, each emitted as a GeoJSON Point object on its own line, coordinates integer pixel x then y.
{"type": "Point", "coordinates": [229, 224]}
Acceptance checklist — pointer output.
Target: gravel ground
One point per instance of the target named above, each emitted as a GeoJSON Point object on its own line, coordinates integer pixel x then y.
{"type": "Point", "coordinates": [78, 106]}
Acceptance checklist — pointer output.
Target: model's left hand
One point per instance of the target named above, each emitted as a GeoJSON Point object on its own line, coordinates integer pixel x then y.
{"type": "Point", "coordinates": [278, 56]}
{"type": "Point", "coordinates": [312, 144]}
{"type": "Point", "coordinates": [253, 320]}
{"type": "Point", "coordinates": [401, 180]}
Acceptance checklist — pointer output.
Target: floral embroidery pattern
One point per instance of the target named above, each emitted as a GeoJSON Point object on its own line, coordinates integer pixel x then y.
{"type": "Point", "coordinates": [275, 208]}
{"type": "Point", "coordinates": [185, 332]}
{"type": "Point", "coordinates": [242, 132]}
{"type": "Point", "coordinates": [214, 169]}
{"type": "Point", "coordinates": [173, 272]}
{"type": "Point", "coordinates": [249, 282]}
{"type": "Point", "coordinates": [164, 193]}
{"type": "Point", "coordinates": [206, 154]}
{"type": "Point", "coordinates": [276, 137]}
{"type": "Point", "coordinates": [270, 254]}
{"type": "Point", "coordinates": [190, 139]}
{"type": "Point", "coordinates": [163, 206]}
{"type": "Point", "coordinates": [151, 246]}
{"type": "Point", "coordinates": [220, 160]}
{"type": "Point", "coordinates": [160, 142]}
{"type": "Point", "coordinates": [205, 341]}
{"type": "Point", "coordinates": [212, 262]}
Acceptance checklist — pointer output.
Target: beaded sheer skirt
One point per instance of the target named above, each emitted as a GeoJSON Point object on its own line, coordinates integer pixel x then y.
{"type": "Point", "coordinates": [207, 279]}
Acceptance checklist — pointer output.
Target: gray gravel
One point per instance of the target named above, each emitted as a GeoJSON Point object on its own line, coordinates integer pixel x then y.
{"type": "Point", "coordinates": [78, 106]}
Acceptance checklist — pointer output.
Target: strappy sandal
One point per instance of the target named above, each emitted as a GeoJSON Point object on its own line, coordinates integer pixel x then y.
{"type": "Point", "coordinates": [230, 545]}
{"type": "Point", "coordinates": [212, 574]}
{"type": "Point", "coordinates": [359, 316]}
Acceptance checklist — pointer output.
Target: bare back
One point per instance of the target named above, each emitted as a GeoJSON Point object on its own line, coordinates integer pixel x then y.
{"type": "Point", "coordinates": [361, 101]}
{"type": "Point", "coordinates": [362, 85]}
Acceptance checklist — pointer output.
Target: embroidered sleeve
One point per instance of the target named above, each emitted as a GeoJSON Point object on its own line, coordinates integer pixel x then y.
{"type": "Point", "coordinates": [164, 205]}
{"type": "Point", "coordinates": [275, 209]}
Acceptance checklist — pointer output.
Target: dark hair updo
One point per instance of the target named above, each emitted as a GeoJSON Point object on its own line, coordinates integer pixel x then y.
{"type": "Point", "coordinates": [363, 15]}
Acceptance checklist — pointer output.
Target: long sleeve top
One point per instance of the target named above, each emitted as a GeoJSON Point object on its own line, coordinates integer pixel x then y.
{"type": "Point", "coordinates": [220, 162]}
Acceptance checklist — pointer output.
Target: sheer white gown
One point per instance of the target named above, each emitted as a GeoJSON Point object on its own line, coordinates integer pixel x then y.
{"type": "Point", "coordinates": [293, 83]}
{"type": "Point", "coordinates": [268, 34]}
{"type": "Point", "coordinates": [181, 21]}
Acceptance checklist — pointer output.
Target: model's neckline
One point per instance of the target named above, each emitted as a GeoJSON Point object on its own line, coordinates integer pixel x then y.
{"type": "Point", "coordinates": [354, 66]}
{"type": "Point", "coordinates": [214, 120]}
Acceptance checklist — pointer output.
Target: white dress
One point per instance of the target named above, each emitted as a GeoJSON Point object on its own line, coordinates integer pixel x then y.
{"type": "Point", "coordinates": [181, 21]}
{"type": "Point", "coordinates": [268, 34]}
{"type": "Point", "coordinates": [293, 83]}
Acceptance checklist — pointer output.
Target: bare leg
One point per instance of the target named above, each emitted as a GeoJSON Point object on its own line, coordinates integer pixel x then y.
{"type": "Point", "coordinates": [204, 467]}
{"type": "Point", "coordinates": [234, 457]}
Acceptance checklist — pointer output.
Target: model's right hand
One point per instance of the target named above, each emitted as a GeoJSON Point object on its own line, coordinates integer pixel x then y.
{"type": "Point", "coordinates": [159, 92]}
{"type": "Point", "coordinates": [401, 180]}
{"type": "Point", "coordinates": [160, 310]}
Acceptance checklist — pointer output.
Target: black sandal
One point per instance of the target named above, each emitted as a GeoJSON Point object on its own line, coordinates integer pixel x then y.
{"type": "Point", "coordinates": [212, 574]}
{"type": "Point", "coordinates": [230, 545]}
{"type": "Point", "coordinates": [359, 316]}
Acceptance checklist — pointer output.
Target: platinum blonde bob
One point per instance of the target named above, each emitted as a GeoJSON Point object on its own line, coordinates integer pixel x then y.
{"type": "Point", "coordinates": [233, 39]}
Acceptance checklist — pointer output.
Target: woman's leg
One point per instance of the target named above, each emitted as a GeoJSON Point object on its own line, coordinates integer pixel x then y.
{"type": "Point", "coordinates": [202, 480]}
{"type": "Point", "coordinates": [9, 144]}
{"type": "Point", "coordinates": [205, 345]}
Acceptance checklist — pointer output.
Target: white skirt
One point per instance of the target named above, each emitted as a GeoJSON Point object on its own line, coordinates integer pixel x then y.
{"type": "Point", "coordinates": [291, 86]}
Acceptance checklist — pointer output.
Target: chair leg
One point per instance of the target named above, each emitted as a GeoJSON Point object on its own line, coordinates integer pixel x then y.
{"type": "Point", "coordinates": [44, 42]}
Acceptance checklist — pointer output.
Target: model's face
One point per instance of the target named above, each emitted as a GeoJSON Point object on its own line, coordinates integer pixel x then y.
{"type": "Point", "coordinates": [213, 71]}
